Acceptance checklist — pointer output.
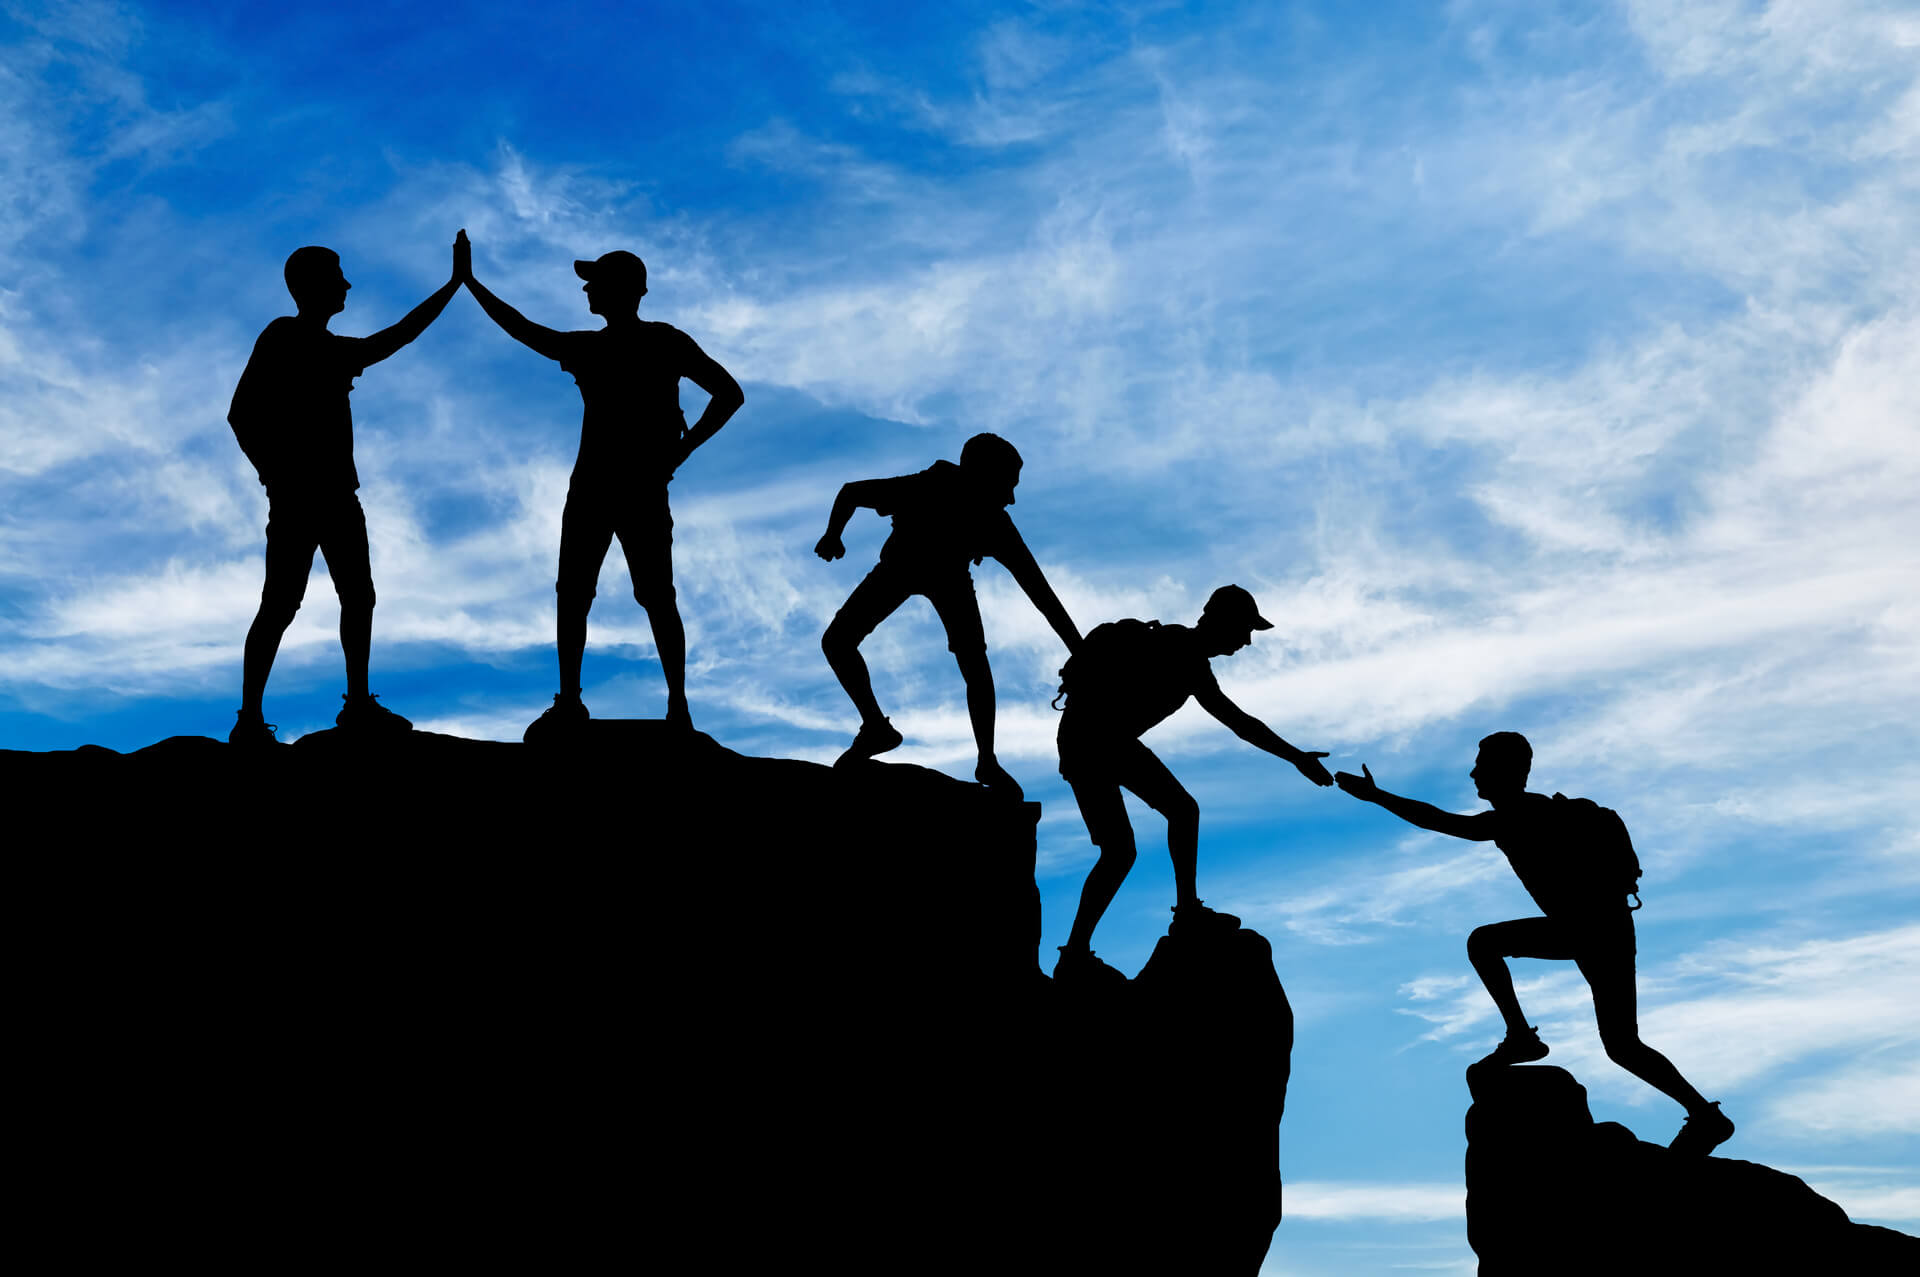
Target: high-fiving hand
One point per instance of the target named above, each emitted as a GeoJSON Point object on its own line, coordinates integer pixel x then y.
{"type": "Point", "coordinates": [462, 257]}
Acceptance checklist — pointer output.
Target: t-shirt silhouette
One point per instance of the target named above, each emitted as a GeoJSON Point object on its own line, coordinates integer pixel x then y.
{"type": "Point", "coordinates": [629, 379]}
{"type": "Point", "coordinates": [942, 521]}
{"type": "Point", "coordinates": [290, 411]}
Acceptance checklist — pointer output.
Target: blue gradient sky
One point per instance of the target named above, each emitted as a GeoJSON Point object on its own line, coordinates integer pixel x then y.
{"type": "Point", "coordinates": [1542, 367]}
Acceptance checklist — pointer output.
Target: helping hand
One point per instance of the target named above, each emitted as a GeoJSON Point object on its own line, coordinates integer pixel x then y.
{"type": "Point", "coordinates": [462, 257]}
{"type": "Point", "coordinates": [1361, 786]}
{"type": "Point", "coordinates": [1309, 765]}
{"type": "Point", "coordinates": [829, 547]}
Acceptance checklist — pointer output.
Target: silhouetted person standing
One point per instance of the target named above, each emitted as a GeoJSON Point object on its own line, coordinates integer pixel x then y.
{"type": "Point", "coordinates": [633, 436]}
{"type": "Point", "coordinates": [1128, 676]}
{"type": "Point", "coordinates": [1575, 860]}
{"type": "Point", "coordinates": [944, 518]}
{"type": "Point", "coordinates": [291, 416]}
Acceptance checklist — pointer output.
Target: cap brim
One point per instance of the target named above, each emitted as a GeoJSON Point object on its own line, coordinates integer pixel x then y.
{"type": "Point", "coordinates": [1261, 623]}
{"type": "Point", "coordinates": [583, 269]}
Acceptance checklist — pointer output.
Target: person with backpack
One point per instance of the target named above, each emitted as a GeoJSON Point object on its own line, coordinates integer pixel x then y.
{"type": "Point", "coordinates": [1128, 676]}
{"type": "Point", "coordinates": [292, 418]}
{"type": "Point", "coordinates": [944, 518]}
{"type": "Point", "coordinates": [1576, 860]}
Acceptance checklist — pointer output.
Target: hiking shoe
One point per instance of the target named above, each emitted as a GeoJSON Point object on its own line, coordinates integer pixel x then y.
{"type": "Point", "coordinates": [871, 739]}
{"type": "Point", "coordinates": [253, 731]}
{"type": "Point", "coordinates": [1084, 968]}
{"type": "Point", "coordinates": [1703, 1132]}
{"type": "Point", "coordinates": [565, 714]}
{"type": "Point", "coordinates": [1198, 920]}
{"type": "Point", "coordinates": [997, 778]}
{"type": "Point", "coordinates": [367, 714]}
{"type": "Point", "coordinates": [1516, 1048]}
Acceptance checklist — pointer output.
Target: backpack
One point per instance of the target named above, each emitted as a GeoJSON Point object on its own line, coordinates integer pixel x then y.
{"type": "Point", "coordinates": [1110, 653]}
{"type": "Point", "coordinates": [1603, 843]}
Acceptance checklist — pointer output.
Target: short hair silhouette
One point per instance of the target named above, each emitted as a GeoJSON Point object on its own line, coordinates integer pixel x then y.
{"type": "Point", "coordinates": [992, 452]}
{"type": "Point", "coordinates": [308, 266]}
{"type": "Point", "coordinates": [1509, 748]}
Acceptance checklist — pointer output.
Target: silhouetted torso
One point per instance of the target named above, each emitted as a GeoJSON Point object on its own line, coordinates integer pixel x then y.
{"type": "Point", "coordinates": [1124, 693]}
{"type": "Point", "coordinates": [1553, 858]}
{"type": "Point", "coordinates": [941, 522]}
{"type": "Point", "coordinates": [629, 378]}
{"type": "Point", "coordinates": [291, 411]}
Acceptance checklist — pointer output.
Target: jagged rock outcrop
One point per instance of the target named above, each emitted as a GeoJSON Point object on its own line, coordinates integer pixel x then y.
{"type": "Point", "coordinates": [435, 1002]}
{"type": "Point", "coordinates": [1549, 1190]}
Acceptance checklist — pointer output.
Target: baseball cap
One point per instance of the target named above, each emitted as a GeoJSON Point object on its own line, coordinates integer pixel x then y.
{"type": "Point", "coordinates": [617, 267]}
{"type": "Point", "coordinates": [1231, 603]}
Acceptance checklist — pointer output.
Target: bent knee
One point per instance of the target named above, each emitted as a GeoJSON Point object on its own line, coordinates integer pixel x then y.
{"type": "Point", "coordinates": [356, 596]}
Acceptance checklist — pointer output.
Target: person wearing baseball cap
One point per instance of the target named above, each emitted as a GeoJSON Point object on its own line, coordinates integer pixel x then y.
{"type": "Point", "coordinates": [1126, 677]}
{"type": "Point", "coordinates": [633, 436]}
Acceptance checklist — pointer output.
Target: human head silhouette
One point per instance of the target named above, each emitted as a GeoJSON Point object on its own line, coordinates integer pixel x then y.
{"type": "Point", "coordinates": [1228, 621]}
{"type": "Point", "coordinates": [994, 464]}
{"type": "Point", "coordinates": [1501, 769]}
{"type": "Point", "coordinates": [315, 279]}
{"type": "Point", "coordinates": [615, 284]}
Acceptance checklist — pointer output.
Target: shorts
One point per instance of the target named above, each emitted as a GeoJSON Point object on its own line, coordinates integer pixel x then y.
{"type": "Point", "coordinates": [644, 525]}
{"type": "Point", "coordinates": [296, 527]}
{"type": "Point", "coordinates": [1096, 770]}
{"type": "Point", "coordinates": [885, 588]}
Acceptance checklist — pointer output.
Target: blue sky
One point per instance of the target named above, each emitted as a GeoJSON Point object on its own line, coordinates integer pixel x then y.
{"type": "Point", "coordinates": [1542, 367]}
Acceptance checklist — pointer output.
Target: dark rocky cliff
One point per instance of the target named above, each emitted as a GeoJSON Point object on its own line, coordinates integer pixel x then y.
{"type": "Point", "coordinates": [1549, 1190]}
{"type": "Point", "coordinates": [441, 1001]}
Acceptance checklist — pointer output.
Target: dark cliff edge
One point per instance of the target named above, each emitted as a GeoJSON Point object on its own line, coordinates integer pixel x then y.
{"type": "Point", "coordinates": [1549, 1190]}
{"type": "Point", "coordinates": [433, 1001]}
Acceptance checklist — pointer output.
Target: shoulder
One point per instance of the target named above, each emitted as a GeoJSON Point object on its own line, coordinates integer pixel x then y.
{"type": "Point", "coordinates": [663, 336]}
{"type": "Point", "coordinates": [278, 333]}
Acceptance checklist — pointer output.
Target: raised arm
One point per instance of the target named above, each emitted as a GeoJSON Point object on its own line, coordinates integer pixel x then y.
{"type": "Point", "coordinates": [1259, 735]}
{"type": "Point", "coordinates": [1479, 827]}
{"type": "Point", "coordinates": [388, 340]}
{"type": "Point", "coordinates": [862, 493]}
{"type": "Point", "coordinates": [534, 336]}
{"type": "Point", "coordinates": [1019, 562]}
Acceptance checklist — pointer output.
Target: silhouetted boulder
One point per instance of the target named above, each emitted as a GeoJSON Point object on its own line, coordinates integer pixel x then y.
{"type": "Point", "coordinates": [1549, 1190]}
{"type": "Point", "coordinates": [628, 996]}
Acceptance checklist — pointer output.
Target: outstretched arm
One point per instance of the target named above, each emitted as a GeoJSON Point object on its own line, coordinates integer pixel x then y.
{"type": "Point", "coordinates": [388, 340]}
{"type": "Point", "coordinates": [853, 496]}
{"type": "Point", "coordinates": [1019, 561]}
{"type": "Point", "coordinates": [1478, 827]}
{"type": "Point", "coordinates": [1259, 735]}
{"type": "Point", "coordinates": [534, 336]}
{"type": "Point", "coordinates": [724, 399]}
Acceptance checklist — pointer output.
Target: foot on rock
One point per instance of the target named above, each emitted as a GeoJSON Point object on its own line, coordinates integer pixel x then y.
{"type": "Point", "coordinates": [251, 731]}
{"type": "Point", "coordinates": [565, 714]}
{"type": "Point", "coordinates": [1082, 967]}
{"type": "Point", "coordinates": [873, 738]}
{"type": "Point", "coordinates": [365, 713]}
{"type": "Point", "coordinates": [1703, 1132]}
{"type": "Point", "coordinates": [1198, 920]}
{"type": "Point", "coordinates": [1515, 1048]}
{"type": "Point", "coordinates": [997, 778]}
